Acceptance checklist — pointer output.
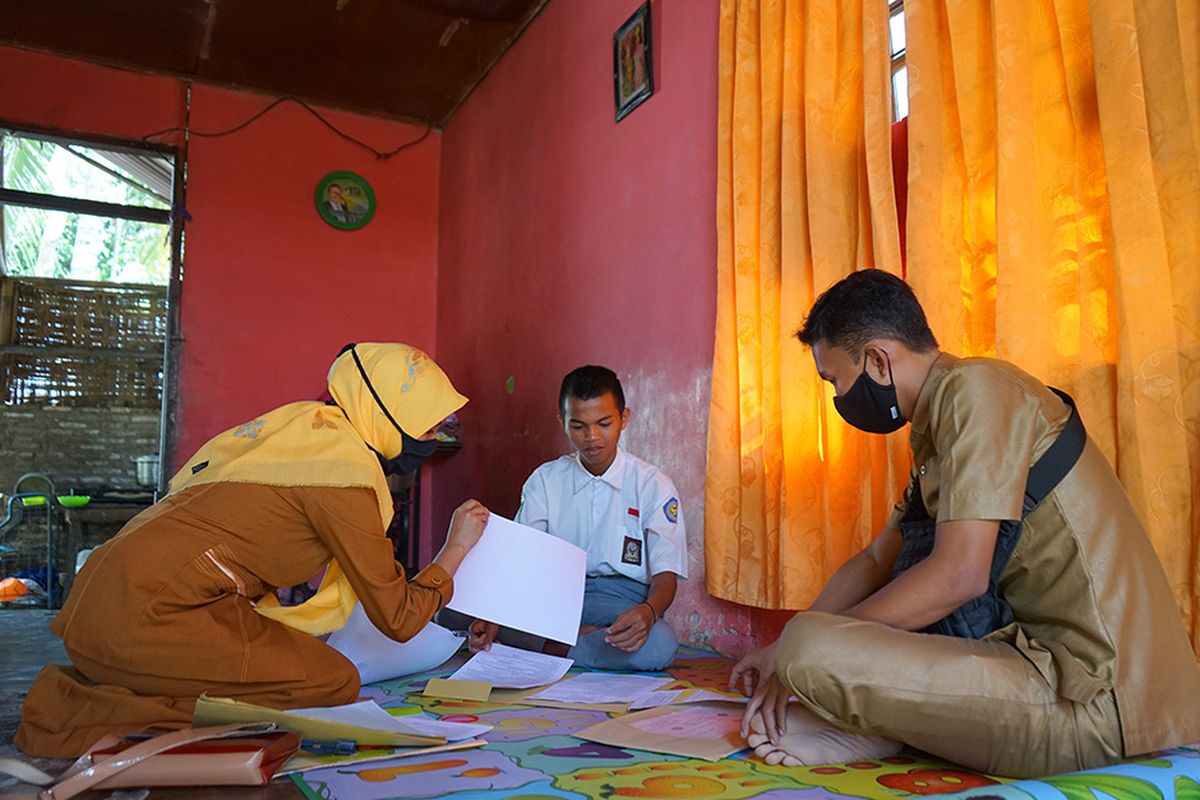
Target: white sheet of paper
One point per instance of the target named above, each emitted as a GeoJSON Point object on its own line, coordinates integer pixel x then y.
{"type": "Point", "coordinates": [602, 687]}
{"type": "Point", "coordinates": [707, 696]}
{"type": "Point", "coordinates": [682, 696]}
{"type": "Point", "coordinates": [656, 699]}
{"type": "Point", "coordinates": [524, 579]}
{"type": "Point", "coordinates": [512, 668]}
{"type": "Point", "coordinates": [379, 658]}
{"type": "Point", "coordinates": [368, 714]}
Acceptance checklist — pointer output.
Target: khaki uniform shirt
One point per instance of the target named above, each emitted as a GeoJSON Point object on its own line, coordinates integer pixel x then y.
{"type": "Point", "coordinates": [172, 593]}
{"type": "Point", "coordinates": [1092, 607]}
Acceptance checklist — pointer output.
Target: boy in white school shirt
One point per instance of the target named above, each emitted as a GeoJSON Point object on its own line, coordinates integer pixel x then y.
{"type": "Point", "coordinates": [625, 513]}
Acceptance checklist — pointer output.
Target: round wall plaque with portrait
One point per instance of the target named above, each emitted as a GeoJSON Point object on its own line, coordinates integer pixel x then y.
{"type": "Point", "coordinates": [345, 200]}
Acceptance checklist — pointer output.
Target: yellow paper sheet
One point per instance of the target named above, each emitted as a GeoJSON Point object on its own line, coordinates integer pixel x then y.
{"type": "Point", "coordinates": [458, 690]}
{"type": "Point", "coordinates": [303, 762]}
{"type": "Point", "coordinates": [612, 708]}
{"type": "Point", "coordinates": [520, 697]}
{"type": "Point", "coordinates": [222, 710]}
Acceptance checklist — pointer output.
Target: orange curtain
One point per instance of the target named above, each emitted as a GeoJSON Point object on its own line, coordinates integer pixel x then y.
{"type": "Point", "coordinates": [1054, 221]}
{"type": "Point", "coordinates": [804, 196]}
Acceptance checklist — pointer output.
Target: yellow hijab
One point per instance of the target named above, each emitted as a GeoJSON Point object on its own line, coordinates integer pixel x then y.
{"type": "Point", "coordinates": [313, 444]}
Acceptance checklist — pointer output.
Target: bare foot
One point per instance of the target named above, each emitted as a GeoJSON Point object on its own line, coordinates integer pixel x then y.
{"type": "Point", "coordinates": [810, 741]}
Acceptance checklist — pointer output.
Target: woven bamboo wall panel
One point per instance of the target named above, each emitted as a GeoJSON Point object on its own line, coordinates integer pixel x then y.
{"type": "Point", "coordinates": [115, 334]}
{"type": "Point", "coordinates": [69, 381]}
{"type": "Point", "coordinates": [79, 314]}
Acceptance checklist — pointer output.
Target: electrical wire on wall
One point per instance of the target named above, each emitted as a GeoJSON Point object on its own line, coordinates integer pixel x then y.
{"type": "Point", "coordinates": [179, 211]}
{"type": "Point", "coordinates": [382, 155]}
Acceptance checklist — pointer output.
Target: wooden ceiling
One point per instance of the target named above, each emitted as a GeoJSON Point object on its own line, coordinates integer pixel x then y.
{"type": "Point", "coordinates": [415, 60]}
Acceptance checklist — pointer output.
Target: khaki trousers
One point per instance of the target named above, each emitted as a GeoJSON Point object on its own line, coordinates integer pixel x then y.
{"type": "Point", "coordinates": [977, 703]}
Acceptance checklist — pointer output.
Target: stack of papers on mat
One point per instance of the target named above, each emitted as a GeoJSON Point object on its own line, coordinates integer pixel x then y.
{"type": "Point", "coordinates": [619, 693]}
{"type": "Point", "coordinates": [507, 667]}
{"type": "Point", "coordinates": [601, 688]}
{"type": "Point", "coordinates": [364, 723]}
{"type": "Point", "coordinates": [368, 714]}
{"type": "Point", "coordinates": [664, 697]}
{"type": "Point", "coordinates": [303, 762]}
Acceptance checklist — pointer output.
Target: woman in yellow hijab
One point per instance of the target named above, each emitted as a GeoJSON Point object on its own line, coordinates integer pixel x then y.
{"type": "Point", "coordinates": [181, 602]}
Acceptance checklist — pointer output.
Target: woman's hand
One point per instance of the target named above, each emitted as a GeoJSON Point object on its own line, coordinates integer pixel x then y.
{"type": "Point", "coordinates": [753, 671]}
{"type": "Point", "coordinates": [466, 526]}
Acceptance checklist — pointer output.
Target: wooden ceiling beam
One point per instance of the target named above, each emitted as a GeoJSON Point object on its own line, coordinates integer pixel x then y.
{"type": "Point", "coordinates": [406, 59]}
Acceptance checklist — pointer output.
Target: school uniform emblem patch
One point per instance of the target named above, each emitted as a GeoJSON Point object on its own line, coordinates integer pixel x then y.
{"type": "Point", "coordinates": [671, 510]}
{"type": "Point", "coordinates": [631, 553]}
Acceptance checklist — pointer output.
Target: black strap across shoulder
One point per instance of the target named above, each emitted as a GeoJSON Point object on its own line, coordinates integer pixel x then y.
{"type": "Point", "coordinates": [1058, 460]}
{"type": "Point", "coordinates": [989, 612]}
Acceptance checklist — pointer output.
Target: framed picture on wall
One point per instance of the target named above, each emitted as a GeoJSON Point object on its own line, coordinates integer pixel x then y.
{"type": "Point", "coordinates": [633, 66]}
{"type": "Point", "coordinates": [344, 199]}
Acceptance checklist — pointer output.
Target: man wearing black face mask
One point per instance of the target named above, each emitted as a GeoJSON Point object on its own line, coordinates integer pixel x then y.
{"type": "Point", "coordinates": [1012, 616]}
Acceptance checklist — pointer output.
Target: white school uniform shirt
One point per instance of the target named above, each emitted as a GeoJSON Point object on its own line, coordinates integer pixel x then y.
{"type": "Point", "coordinates": [628, 519]}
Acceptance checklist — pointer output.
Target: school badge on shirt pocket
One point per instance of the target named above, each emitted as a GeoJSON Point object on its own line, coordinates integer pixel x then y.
{"type": "Point", "coordinates": [631, 553]}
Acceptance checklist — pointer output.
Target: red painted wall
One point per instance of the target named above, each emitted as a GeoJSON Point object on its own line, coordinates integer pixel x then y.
{"type": "Point", "coordinates": [270, 291]}
{"type": "Point", "coordinates": [567, 238]}
{"type": "Point", "coordinates": [60, 93]}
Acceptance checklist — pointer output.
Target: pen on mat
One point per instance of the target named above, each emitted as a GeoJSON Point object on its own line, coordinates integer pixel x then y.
{"type": "Point", "coordinates": [340, 747]}
{"type": "Point", "coordinates": [402, 752]}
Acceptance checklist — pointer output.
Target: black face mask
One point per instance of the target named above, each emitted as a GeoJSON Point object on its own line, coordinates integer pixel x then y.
{"type": "Point", "coordinates": [413, 452]}
{"type": "Point", "coordinates": [870, 407]}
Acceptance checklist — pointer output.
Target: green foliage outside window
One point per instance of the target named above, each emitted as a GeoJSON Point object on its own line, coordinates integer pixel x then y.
{"type": "Point", "coordinates": [61, 244]}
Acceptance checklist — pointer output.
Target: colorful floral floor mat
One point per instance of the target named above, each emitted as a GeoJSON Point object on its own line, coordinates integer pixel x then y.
{"type": "Point", "coordinates": [531, 755]}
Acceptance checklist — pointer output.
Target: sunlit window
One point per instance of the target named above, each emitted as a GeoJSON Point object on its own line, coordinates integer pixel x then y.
{"type": "Point", "coordinates": [899, 68]}
{"type": "Point", "coordinates": [86, 255]}
{"type": "Point", "coordinates": [77, 210]}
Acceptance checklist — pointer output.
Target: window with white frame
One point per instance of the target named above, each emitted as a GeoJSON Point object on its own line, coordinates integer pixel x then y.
{"type": "Point", "coordinates": [74, 209]}
{"type": "Point", "coordinates": [899, 68]}
{"type": "Point", "coordinates": [86, 254]}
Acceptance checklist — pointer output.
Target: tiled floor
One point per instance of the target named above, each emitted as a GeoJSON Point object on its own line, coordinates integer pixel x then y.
{"type": "Point", "coordinates": [26, 645]}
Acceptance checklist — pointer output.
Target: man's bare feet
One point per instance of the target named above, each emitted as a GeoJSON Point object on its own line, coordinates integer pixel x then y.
{"type": "Point", "coordinates": [810, 741]}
